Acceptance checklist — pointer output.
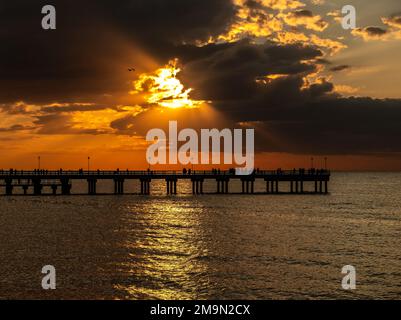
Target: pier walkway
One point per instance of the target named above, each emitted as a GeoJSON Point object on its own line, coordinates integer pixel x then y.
{"type": "Point", "coordinates": [32, 182]}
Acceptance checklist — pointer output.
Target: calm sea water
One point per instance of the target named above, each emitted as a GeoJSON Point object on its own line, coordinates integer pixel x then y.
{"type": "Point", "coordinates": [206, 247]}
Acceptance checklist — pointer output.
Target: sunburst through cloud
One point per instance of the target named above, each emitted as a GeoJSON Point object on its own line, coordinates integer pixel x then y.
{"type": "Point", "coordinates": [164, 89]}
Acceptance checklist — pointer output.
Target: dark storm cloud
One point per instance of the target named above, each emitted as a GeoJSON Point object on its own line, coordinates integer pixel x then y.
{"type": "Point", "coordinates": [79, 60]}
{"type": "Point", "coordinates": [311, 119]}
{"type": "Point", "coordinates": [45, 66]}
{"type": "Point", "coordinates": [230, 73]}
{"type": "Point", "coordinates": [336, 126]}
{"type": "Point", "coordinates": [315, 121]}
{"type": "Point", "coordinates": [173, 21]}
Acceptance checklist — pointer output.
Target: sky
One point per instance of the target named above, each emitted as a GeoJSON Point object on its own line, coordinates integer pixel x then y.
{"type": "Point", "coordinates": [286, 68]}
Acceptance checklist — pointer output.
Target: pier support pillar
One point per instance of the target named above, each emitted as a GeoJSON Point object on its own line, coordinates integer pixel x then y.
{"type": "Point", "coordinates": [248, 186]}
{"type": "Point", "coordinates": [171, 186]}
{"type": "Point", "coordinates": [302, 186]}
{"type": "Point", "coordinates": [121, 186]}
{"type": "Point", "coordinates": [54, 189]}
{"type": "Point", "coordinates": [222, 185]}
{"type": "Point", "coordinates": [25, 188]}
{"type": "Point", "coordinates": [316, 186]}
{"type": "Point", "coordinates": [320, 186]}
{"type": "Point", "coordinates": [118, 186]}
{"type": "Point", "coordinates": [197, 186]}
{"type": "Point", "coordinates": [92, 186]}
{"type": "Point", "coordinates": [37, 187]}
{"type": "Point", "coordinates": [145, 186]}
{"type": "Point", "coordinates": [65, 186]}
{"type": "Point", "coordinates": [9, 187]}
{"type": "Point", "coordinates": [326, 189]}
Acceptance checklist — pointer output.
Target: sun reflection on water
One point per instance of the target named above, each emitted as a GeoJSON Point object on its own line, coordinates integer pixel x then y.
{"type": "Point", "coordinates": [167, 254]}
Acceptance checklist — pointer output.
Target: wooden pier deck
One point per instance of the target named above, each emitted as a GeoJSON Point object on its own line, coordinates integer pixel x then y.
{"type": "Point", "coordinates": [32, 182]}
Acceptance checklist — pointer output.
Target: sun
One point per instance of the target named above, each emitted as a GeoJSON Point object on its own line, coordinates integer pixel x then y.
{"type": "Point", "coordinates": [163, 88]}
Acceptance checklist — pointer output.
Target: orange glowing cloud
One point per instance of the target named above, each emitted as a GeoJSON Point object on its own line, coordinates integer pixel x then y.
{"type": "Point", "coordinates": [306, 19]}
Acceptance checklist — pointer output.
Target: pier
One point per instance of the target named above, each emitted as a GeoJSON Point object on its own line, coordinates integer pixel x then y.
{"type": "Point", "coordinates": [33, 182]}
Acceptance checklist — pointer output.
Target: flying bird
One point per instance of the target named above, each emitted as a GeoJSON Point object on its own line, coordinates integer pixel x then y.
{"type": "Point", "coordinates": [131, 69]}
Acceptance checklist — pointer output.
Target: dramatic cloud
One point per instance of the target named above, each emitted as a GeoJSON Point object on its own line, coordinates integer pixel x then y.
{"type": "Point", "coordinates": [259, 63]}
{"type": "Point", "coordinates": [232, 72]}
{"type": "Point", "coordinates": [393, 32]}
{"type": "Point", "coordinates": [371, 33]}
{"type": "Point", "coordinates": [307, 19]}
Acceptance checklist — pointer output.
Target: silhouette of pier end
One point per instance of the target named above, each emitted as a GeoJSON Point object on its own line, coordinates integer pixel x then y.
{"type": "Point", "coordinates": [33, 182]}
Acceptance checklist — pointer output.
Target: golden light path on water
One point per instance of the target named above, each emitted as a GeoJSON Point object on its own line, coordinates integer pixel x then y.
{"type": "Point", "coordinates": [169, 252]}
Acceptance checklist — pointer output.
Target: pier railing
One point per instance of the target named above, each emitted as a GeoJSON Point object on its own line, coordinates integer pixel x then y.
{"type": "Point", "coordinates": [159, 172]}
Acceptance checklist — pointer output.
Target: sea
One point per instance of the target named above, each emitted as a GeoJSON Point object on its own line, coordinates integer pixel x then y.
{"type": "Point", "coordinates": [207, 246]}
